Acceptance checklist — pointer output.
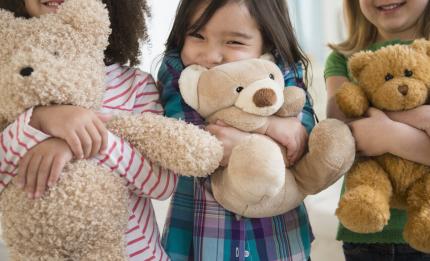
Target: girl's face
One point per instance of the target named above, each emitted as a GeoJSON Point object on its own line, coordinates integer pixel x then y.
{"type": "Point", "coordinates": [230, 35]}
{"type": "Point", "coordinates": [41, 7]}
{"type": "Point", "coordinates": [394, 18]}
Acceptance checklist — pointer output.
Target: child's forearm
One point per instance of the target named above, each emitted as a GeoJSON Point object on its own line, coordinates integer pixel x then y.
{"type": "Point", "coordinates": [143, 177]}
{"type": "Point", "coordinates": [418, 117]}
{"type": "Point", "coordinates": [410, 143]}
{"type": "Point", "coordinates": [15, 141]}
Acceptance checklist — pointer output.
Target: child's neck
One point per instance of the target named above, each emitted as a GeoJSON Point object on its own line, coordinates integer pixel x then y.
{"type": "Point", "coordinates": [408, 34]}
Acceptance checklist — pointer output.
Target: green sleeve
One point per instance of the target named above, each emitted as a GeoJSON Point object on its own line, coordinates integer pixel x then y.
{"type": "Point", "coordinates": [336, 65]}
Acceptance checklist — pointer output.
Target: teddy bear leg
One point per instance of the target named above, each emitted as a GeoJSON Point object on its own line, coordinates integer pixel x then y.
{"type": "Point", "coordinates": [331, 154]}
{"type": "Point", "coordinates": [364, 208]}
{"type": "Point", "coordinates": [256, 171]}
{"type": "Point", "coordinates": [417, 228]}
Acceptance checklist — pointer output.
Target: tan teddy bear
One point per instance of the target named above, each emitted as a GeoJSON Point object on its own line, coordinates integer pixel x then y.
{"type": "Point", "coordinates": [58, 59]}
{"type": "Point", "coordinates": [256, 182]}
{"type": "Point", "coordinates": [394, 78]}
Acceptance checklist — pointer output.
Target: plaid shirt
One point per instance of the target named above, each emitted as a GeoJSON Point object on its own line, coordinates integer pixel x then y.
{"type": "Point", "coordinates": [198, 228]}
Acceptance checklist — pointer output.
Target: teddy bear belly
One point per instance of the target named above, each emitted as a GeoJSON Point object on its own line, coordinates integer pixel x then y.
{"type": "Point", "coordinates": [87, 202]}
{"type": "Point", "coordinates": [402, 174]}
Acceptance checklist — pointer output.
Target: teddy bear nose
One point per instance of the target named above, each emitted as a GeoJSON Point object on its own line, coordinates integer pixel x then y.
{"type": "Point", "coordinates": [403, 89]}
{"type": "Point", "coordinates": [26, 71]}
{"type": "Point", "coordinates": [264, 97]}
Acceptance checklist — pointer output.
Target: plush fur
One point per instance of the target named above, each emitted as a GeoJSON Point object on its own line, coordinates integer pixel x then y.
{"type": "Point", "coordinates": [256, 182]}
{"type": "Point", "coordinates": [84, 216]}
{"type": "Point", "coordinates": [394, 78]}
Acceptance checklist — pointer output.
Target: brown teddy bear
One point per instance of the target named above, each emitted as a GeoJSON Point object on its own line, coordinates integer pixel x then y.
{"type": "Point", "coordinates": [256, 182]}
{"type": "Point", "coordinates": [58, 59]}
{"type": "Point", "coordinates": [394, 78]}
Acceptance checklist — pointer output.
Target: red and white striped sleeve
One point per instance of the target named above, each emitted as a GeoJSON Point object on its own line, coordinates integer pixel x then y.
{"type": "Point", "coordinates": [143, 177]}
{"type": "Point", "coordinates": [15, 140]}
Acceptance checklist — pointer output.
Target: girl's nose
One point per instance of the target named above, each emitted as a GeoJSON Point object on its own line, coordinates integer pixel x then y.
{"type": "Point", "coordinates": [213, 57]}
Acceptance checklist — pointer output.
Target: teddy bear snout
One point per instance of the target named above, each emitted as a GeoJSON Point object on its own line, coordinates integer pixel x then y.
{"type": "Point", "coordinates": [26, 71]}
{"type": "Point", "coordinates": [403, 89]}
{"type": "Point", "coordinates": [264, 98]}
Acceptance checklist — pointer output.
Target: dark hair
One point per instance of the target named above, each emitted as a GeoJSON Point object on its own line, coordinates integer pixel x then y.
{"type": "Point", "coordinates": [271, 16]}
{"type": "Point", "coordinates": [128, 23]}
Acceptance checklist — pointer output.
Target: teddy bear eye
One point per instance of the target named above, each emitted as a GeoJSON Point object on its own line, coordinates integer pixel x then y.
{"type": "Point", "coordinates": [408, 73]}
{"type": "Point", "coordinates": [388, 77]}
{"type": "Point", "coordinates": [271, 76]}
{"type": "Point", "coordinates": [239, 89]}
{"type": "Point", "coordinates": [56, 53]}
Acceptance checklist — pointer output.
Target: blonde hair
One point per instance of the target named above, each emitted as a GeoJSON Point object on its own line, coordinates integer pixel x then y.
{"type": "Point", "coordinates": [361, 33]}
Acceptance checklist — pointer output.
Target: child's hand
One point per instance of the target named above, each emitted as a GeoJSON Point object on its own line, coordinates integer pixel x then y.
{"type": "Point", "coordinates": [371, 133]}
{"type": "Point", "coordinates": [291, 134]}
{"type": "Point", "coordinates": [41, 166]}
{"type": "Point", "coordinates": [229, 137]}
{"type": "Point", "coordinates": [418, 118]}
{"type": "Point", "coordinates": [81, 128]}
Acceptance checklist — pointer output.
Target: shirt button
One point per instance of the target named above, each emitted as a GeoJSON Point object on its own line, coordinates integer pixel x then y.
{"type": "Point", "coordinates": [246, 254]}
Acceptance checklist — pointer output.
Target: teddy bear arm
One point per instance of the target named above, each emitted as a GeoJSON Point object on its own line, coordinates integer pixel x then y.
{"type": "Point", "coordinates": [181, 147]}
{"type": "Point", "coordinates": [294, 101]}
{"type": "Point", "coordinates": [352, 100]}
{"type": "Point", "coordinates": [331, 154]}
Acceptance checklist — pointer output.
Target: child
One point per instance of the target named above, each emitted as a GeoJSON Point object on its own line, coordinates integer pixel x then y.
{"type": "Point", "coordinates": [43, 139]}
{"type": "Point", "coordinates": [373, 25]}
{"type": "Point", "coordinates": [210, 33]}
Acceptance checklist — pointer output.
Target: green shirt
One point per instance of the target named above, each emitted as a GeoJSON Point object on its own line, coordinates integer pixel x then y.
{"type": "Point", "coordinates": [336, 65]}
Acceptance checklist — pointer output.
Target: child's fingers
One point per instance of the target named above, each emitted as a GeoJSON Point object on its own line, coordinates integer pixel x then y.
{"type": "Point", "coordinates": [86, 142]}
{"type": "Point", "coordinates": [75, 145]}
{"type": "Point", "coordinates": [42, 176]}
{"type": "Point", "coordinates": [32, 170]}
{"type": "Point", "coordinates": [20, 178]}
{"type": "Point", "coordinates": [103, 134]}
{"type": "Point", "coordinates": [95, 138]}
{"type": "Point", "coordinates": [103, 116]}
{"type": "Point", "coordinates": [56, 169]}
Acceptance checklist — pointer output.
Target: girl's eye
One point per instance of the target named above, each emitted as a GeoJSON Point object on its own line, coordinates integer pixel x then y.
{"type": "Point", "coordinates": [388, 77]}
{"type": "Point", "coordinates": [234, 42]}
{"type": "Point", "coordinates": [408, 73]}
{"type": "Point", "coordinates": [197, 35]}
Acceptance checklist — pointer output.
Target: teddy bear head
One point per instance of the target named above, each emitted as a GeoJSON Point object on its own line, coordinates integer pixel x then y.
{"type": "Point", "coordinates": [253, 86]}
{"type": "Point", "coordinates": [53, 59]}
{"type": "Point", "coordinates": [395, 77]}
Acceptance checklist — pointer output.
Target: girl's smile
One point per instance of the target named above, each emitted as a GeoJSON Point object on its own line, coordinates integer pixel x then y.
{"type": "Point", "coordinates": [41, 7]}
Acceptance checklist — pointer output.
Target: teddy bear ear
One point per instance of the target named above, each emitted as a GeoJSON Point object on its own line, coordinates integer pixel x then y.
{"type": "Point", "coordinates": [421, 45]}
{"type": "Point", "coordinates": [188, 83]}
{"type": "Point", "coordinates": [358, 62]}
{"type": "Point", "coordinates": [7, 32]}
{"type": "Point", "coordinates": [268, 57]}
{"type": "Point", "coordinates": [89, 18]}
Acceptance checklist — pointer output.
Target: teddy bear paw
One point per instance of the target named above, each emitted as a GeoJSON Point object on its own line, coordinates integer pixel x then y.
{"type": "Point", "coordinates": [417, 230]}
{"type": "Point", "coordinates": [363, 210]}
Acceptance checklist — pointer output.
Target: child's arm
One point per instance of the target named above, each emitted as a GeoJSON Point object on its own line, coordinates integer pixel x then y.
{"type": "Point", "coordinates": [143, 177]}
{"type": "Point", "coordinates": [377, 134]}
{"type": "Point", "coordinates": [15, 140]}
{"type": "Point", "coordinates": [41, 166]}
{"type": "Point", "coordinates": [418, 118]}
{"type": "Point", "coordinates": [81, 128]}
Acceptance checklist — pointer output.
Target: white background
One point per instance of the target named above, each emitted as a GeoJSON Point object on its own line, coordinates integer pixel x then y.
{"type": "Point", "coordinates": [316, 24]}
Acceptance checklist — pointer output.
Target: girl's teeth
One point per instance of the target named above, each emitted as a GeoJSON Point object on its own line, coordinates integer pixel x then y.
{"type": "Point", "coordinates": [389, 7]}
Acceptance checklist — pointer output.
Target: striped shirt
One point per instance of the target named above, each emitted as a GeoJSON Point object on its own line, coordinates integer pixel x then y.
{"type": "Point", "coordinates": [127, 90]}
{"type": "Point", "coordinates": [198, 228]}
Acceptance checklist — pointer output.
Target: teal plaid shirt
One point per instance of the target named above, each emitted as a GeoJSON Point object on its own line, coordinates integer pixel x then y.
{"type": "Point", "coordinates": [198, 228]}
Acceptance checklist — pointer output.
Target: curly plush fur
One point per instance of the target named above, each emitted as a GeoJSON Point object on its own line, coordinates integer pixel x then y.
{"type": "Point", "coordinates": [394, 78]}
{"type": "Point", "coordinates": [256, 182]}
{"type": "Point", "coordinates": [84, 216]}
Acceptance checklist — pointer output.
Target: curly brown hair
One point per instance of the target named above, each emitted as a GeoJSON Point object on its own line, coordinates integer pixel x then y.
{"type": "Point", "coordinates": [128, 23]}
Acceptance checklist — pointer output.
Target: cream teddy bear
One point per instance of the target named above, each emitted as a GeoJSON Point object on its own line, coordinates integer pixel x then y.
{"type": "Point", "coordinates": [393, 78]}
{"type": "Point", "coordinates": [58, 59]}
{"type": "Point", "coordinates": [256, 182]}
